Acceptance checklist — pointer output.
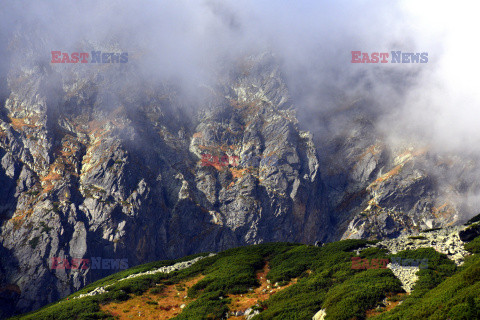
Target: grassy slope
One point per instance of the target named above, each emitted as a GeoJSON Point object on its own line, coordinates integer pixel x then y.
{"type": "Point", "coordinates": [325, 280]}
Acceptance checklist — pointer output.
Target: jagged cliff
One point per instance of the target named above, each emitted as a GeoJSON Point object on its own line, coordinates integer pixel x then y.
{"type": "Point", "coordinates": [101, 162]}
{"type": "Point", "coordinates": [93, 166]}
{"type": "Point", "coordinates": [379, 188]}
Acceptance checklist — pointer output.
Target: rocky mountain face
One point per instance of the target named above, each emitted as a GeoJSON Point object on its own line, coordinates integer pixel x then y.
{"type": "Point", "coordinates": [94, 166]}
{"type": "Point", "coordinates": [379, 189]}
{"type": "Point", "coordinates": [100, 163]}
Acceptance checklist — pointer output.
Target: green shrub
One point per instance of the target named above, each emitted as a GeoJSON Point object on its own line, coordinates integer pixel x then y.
{"type": "Point", "coordinates": [180, 287]}
{"type": "Point", "coordinates": [432, 229]}
{"type": "Point", "coordinates": [472, 275]}
{"type": "Point", "coordinates": [396, 298]}
{"type": "Point", "coordinates": [374, 252]}
{"type": "Point", "coordinates": [137, 285]}
{"type": "Point", "coordinates": [417, 238]}
{"type": "Point", "coordinates": [473, 246]}
{"type": "Point", "coordinates": [86, 308]}
{"type": "Point", "coordinates": [330, 267]}
{"type": "Point", "coordinates": [231, 274]}
{"type": "Point", "coordinates": [361, 292]}
{"type": "Point", "coordinates": [119, 295]}
{"type": "Point", "coordinates": [208, 306]}
{"type": "Point", "coordinates": [294, 262]}
{"type": "Point", "coordinates": [473, 220]}
{"type": "Point", "coordinates": [34, 242]}
{"type": "Point", "coordinates": [158, 289]}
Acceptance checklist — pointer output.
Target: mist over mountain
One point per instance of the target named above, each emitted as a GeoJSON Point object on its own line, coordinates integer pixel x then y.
{"type": "Point", "coordinates": [230, 123]}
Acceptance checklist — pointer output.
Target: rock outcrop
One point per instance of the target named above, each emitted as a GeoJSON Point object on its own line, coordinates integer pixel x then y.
{"type": "Point", "coordinates": [97, 165]}
{"type": "Point", "coordinates": [407, 275]}
{"type": "Point", "coordinates": [320, 315]}
{"type": "Point", "coordinates": [167, 269]}
{"type": "Point", "coordinates": [446, 241]}
{"type": "Point", "coordinates": [470, 233]}
{"type": "Point", "coordinates": [378, 188]}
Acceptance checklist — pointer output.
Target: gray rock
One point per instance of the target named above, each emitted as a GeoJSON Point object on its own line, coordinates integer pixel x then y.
{"type": "Point", "coordinates": [320, 315]}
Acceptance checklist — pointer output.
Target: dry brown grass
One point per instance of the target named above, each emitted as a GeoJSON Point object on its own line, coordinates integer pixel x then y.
{"type": "Point", "coordinates": [241, 302]}
{"type": "Point", "coordinates": [169, 302]}
{"type": "Point", "coordinates": [390, 305]}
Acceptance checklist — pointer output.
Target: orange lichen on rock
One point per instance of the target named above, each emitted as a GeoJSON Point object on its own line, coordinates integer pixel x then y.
{"type": "Point", "coordinates": [443, 211]}
{"type": "Point", "coordinates": [202, 147]}
{"type": "Point", "coordinates": [350, 198]}
{"type": "Point", "coordinates": [19, 123]}
{"type": "Point", "coordinates": [53, 175]}
{"type": "Point", "coordinates": [19, 218]}
{"type": "Point", "coordinates": [395, 171]}
{"type": "Point", "coordinates": [374, 150]}
{"type": "Point", "coordinates": [238, 173]}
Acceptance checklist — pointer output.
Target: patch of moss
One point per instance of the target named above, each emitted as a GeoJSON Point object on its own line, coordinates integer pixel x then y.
{"type": "Point", "coordinates": [34, 242]}
{"type": "Point", "coordinates": [417, 238]}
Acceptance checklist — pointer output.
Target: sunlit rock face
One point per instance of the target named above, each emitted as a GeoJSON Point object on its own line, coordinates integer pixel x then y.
{"type": "Point", "coordinates": [99, 163]}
